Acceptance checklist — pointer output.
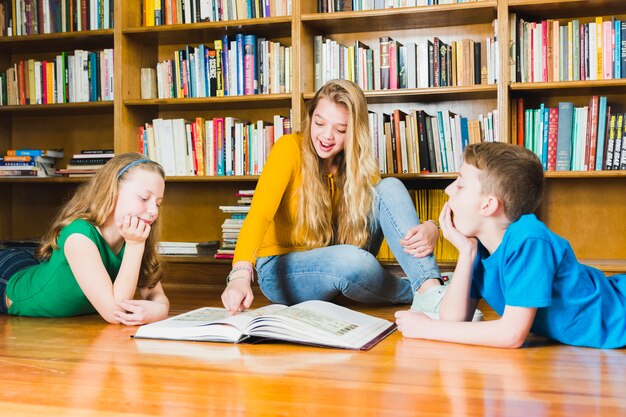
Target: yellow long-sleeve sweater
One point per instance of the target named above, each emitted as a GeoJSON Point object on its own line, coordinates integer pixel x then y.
{"type": "Point", "coordinates": [269, 228]}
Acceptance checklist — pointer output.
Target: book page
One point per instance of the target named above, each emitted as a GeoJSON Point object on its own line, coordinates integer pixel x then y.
{"type": "Point", "coordinates": [323, 323]}
{"type": "Point", "coordinates": [206, 323]}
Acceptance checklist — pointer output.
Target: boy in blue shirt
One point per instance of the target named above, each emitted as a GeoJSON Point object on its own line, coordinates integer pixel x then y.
{"type": "Point", "coordinates": [525, 272]}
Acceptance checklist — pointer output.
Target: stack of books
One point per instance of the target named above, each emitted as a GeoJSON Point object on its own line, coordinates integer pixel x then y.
{"type": "Point", "coordinates": [177, 248]}
{"type": "Point", "coordinates": [29, 163]}
{"type": "Point", "coordinates": [232, 225]}
{"type": "Point", "coordinates": [87, 162]}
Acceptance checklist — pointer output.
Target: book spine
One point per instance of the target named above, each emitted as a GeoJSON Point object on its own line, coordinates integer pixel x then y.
{"type": "Point", "coordinates": [384, 62]}
{"type": "Point", "coordinates": [553, 119]}
{"type": "Point", "coordinates": [564, 139]}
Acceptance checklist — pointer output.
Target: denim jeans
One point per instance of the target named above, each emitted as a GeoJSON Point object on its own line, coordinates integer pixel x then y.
{"type": "Point", "coordinates": [13, 260]}
{"type": "Point", "coordinates": [325, 273]}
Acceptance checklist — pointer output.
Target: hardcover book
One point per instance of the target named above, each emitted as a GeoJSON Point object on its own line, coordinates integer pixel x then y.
{"type": "Point", "coordinates": [317, 323]}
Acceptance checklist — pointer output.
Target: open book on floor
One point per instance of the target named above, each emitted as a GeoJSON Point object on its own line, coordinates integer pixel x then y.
{"type": "Point", "coordinates": [317, 323]}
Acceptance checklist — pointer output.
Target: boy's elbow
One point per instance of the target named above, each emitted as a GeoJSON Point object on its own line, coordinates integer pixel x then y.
{"type": "Point", "coordinates": [513, 339]}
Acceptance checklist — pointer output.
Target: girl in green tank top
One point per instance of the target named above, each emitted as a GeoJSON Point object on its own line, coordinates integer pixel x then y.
{"type": "Point", "coordinates": [101, 248]}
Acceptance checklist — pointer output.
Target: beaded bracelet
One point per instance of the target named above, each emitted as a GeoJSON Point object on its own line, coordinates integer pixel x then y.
{"type": "Point", "coordinates": [240, 268]}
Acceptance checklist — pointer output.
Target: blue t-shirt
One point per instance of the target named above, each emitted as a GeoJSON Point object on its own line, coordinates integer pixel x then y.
{"type": "Point", "coordinates": [533, 267]}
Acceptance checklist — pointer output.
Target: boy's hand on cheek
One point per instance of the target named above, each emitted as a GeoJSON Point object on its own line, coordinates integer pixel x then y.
{"type": "Point", "coordinates": [452, 234]}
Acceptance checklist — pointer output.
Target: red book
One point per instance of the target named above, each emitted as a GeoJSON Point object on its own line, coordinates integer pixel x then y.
{"type": "Point", "coordinates": [553, 129]}
{"type": "Point", "coordinates": [520, 121]}
{"type": "Point", "coordinates": [592, 139]}
{"type": "Point", "coordinates": [21, 79]}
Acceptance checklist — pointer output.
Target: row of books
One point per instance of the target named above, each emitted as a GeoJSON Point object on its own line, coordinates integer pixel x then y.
{"type": "Point", "coordinates": [553, 50]}
{"type": "Point", "coordinates": [32, 17]}
{"type": "Point", "coordinates": [87, 162]}
{"type": "Point", "coordinates": [329, 6]}
{"type": "Point", "coordinates": [172, 12]}
{"type": "Point", "coordinates": [232, 224]}
{"type": "Point", "coordinates": [568, 138]}
{"type": "Point", "coordinates": [84, 76]}
{"type": "Point", "coordinates": [417, 142]}
{"type": "Point", "coordinates": [428, 204]}
{"type": "Point", "coordinates": [29, 163]}
{"type": "Point", "coordinates": [218, 146]}
{"type": "Point", "coordinates": [421, 64]}
{"type": "Point", "coordinates": [242, 66]}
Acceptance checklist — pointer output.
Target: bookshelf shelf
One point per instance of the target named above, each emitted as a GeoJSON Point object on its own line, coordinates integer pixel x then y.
{"type": "Point", "coordinates": [214, 178]}
{"type": "Point", "coordinates": [274, 27]}
{"type": "Point", "coordinates": [230, 102]}
{"type": "Point", "coordinates": [42, 180]}
{"type": "Point", "coordinates": [402, 18]}
{"type": "Point", "coordinates": [474, 92]}
{"type": "Point", "coordinates": [561, 8]}
{"type": "Point", "coordinates": [92, 107]}
{"type": "Point", "coordinates": [64, 41]}
{"type": "Point", "coordinates": [570, 87]}
{"type": "Point", "coordinates": [585, 174]}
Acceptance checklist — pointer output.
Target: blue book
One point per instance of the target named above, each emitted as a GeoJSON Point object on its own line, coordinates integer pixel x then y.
{"type": "Point", "coordinates": [617, 58]}
{"type": "Point", "coordinates": [623, 48]}
{"type": "Point", "coordinates": [464, 133]}
{"type": "Point", "coordinates": [36, 152]}
{"type": "Point", "coordinates": [225, 74]}
{"type": "Point", "coordinates": [564, 139]}
{"type": "Point", "coordinates": [442, 143]}
{"type": "Point", "coordinates": [191, 72]}
{"type": "Point", "coordinates": [94, 77]}
{"type": "Point", "coordinates": [601, 132]}
{"type": "Point", "coordinates": [240, 82]}
{"type": "Point", "coordinates": [545, 116]}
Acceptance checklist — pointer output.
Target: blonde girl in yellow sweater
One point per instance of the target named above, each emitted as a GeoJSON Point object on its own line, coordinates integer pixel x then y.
{"type": "Point", "coordinates": [320, 212]}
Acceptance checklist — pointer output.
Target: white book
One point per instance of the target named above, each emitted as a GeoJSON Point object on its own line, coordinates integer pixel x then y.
{"type": "Point", "coordinates": [177, 248]}
{"type": "Point", "coordinates": [164, 139]}
{"type": "Point", "coordinates": [229, 145]}
{"type": "Point", "coordinates": [411, 64]}
{"type": "Point", "coordinates": [190, 155]}
{"type": "Point", "coordinates": [317, 323]}
{"type": "Point", "coordinates": [180, 147]}
{"type": "Point", "coordinates": [422, 63]}
{"type": "Point", "coordinates": [382, 149]}
{"type": "Point", "coordinates": [210, 148]}
{"type": "Point", "coordinates": [403, 147]}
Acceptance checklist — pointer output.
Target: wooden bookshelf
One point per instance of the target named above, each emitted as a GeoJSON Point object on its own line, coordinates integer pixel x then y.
{"type": "Point", "coordinates": [585, 207]}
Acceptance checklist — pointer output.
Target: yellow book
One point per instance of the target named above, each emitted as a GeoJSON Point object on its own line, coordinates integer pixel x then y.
{"type": "Point", "coordinates": [32, 88]}
{"type": "Point", "coordinates": [219, 65]}
{"type": "Point", "coordinates": [351, 68]}
{"type": "Point", "coordinates": [148, 13]}
{"type": "Point", "coordinates": [599, 47]}
{"type": "Point", "coordinates": [51, 97]}
{"type": "Point", "coordinates": [199, 145]}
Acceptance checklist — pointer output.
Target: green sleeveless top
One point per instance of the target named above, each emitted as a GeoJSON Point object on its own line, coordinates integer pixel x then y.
{"type": "Point", "coordinates": [50, 289]}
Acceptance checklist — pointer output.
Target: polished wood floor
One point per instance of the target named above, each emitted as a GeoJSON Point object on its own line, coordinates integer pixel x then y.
{"type": "Point", "coordinates": [85, 367]}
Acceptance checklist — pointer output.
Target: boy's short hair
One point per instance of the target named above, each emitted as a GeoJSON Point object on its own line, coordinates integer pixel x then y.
{"type": "Point", "coordinates": [512, 173]}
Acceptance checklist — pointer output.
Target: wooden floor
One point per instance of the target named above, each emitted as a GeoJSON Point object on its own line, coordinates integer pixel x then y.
{"type": "Point", "coordinates": [85, 367]}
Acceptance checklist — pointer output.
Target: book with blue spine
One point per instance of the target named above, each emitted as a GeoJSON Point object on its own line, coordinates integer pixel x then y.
{"type": "Point", "coordinates": [564, 141]}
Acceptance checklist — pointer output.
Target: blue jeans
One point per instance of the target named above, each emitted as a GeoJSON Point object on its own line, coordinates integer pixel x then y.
{"type": "Point", "coordinates": [13, 260]}
{"type": "Point", "coordinates": [325, 273]}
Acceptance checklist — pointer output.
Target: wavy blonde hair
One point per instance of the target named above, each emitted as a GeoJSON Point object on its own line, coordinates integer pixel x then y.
{"type": "Point", "coordinates": [95, 200]}
{"type": "Point", "coordinates": [357, 173]}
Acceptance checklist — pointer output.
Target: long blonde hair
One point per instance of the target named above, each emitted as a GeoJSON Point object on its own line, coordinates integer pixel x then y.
{"type": "Point", "coordinates": [357, 173]}
{"type": "Point", "coordinates": [95, 200]}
